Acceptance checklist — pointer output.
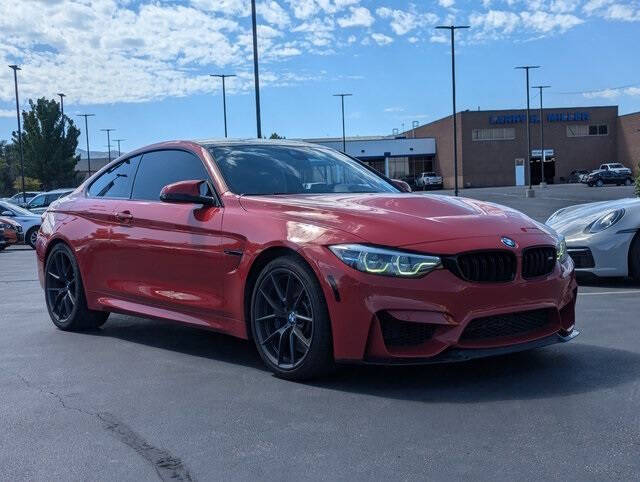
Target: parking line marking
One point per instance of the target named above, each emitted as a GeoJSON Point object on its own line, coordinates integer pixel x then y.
{"type": "Point", "coordinates": [626, 292]}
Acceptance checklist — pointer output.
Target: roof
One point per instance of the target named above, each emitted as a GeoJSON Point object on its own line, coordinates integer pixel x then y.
{"type": "Point", "coordinates": [249, 141]}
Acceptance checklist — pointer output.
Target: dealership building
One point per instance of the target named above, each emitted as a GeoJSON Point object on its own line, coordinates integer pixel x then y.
{"type": "Point", "coordinates": [492, 145]}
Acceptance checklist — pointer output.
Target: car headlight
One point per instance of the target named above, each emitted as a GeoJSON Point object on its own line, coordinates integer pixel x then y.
{"type": "Point", "coordinates": [604, 222]}
{"type": "Point", "coordinates": [561, 249]}
{"type": "Point", "coordinates": [385, 262]}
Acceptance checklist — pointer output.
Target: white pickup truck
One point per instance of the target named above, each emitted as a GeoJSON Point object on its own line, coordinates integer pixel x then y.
{"type": "Point", "coordinates": [615, 167]}
{"type": "Point", "coordinates": [429, 180]}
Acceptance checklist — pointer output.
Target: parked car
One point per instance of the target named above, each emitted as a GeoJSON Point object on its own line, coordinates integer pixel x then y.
{"type": "Point", "coordinates": [224, 235]}
{"type": "Point", "coordinates": [18, 198]}
{"type": "Point", "coordinates": [10, 232]}
{"type": "Point", "coordinates": [615, 167]}
{"type": "Point", "coordinates": [577, 175]}
{"type": "Point", "coordinates": [600, 178]}
{"type": "Point", "coordinates": [428, 180]}
{"type": "Point", "coordinates": [41, 202]}
{"type": "Point", "coordinates": [29, 221]}
{"type": "Point", "coordinates": [602, 237]}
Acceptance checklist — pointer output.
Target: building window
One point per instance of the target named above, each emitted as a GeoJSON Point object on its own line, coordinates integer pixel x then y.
{"type": "Point", "coordinates": [588, 130]}
{"type": "Point", "coordinates": [500, 134]}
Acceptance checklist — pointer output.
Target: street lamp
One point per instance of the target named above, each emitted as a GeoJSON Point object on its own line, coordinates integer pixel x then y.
{"type": "Point", "coordinates": [62, 96]}
{"type": "Point", "coordinates": [224, 97]}
{"type": "Point", "coordinates": [119, 141]}
{"type": "Point", "coordinates": [108, 141]}
{"type": "Point", "coordinates": [543, 183]}
{"type": "Point", "coordinates": [255, 67]}
{"type": "Point", "coordinates": [526, 68]}
{"type": "Point", "coordinates": [15, 82]}
{"type": "Point", "coordinates": [344, 140]}
{"type": "Point", "coordinates": [453, 28]}
{"type": "Point", "coordinates": [86, 133]}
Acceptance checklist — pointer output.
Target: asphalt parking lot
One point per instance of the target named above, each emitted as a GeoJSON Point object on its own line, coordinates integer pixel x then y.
{"type": "Point", "coordinates": [142, 400]}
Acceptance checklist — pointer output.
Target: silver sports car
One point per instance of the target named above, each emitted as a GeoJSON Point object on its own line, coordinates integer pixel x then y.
{"type": "Point", "coordinates": [603, 238]}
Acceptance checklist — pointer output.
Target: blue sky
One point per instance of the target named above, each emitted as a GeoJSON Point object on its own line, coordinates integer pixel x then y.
{"type": "Point", "coordinates": [142, 66]}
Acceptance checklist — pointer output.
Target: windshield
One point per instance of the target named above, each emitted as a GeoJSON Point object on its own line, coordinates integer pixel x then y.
{"type": "Point", "coordinates": [268, 170]}
{"type": "Point", "coordinates": [16, 209]}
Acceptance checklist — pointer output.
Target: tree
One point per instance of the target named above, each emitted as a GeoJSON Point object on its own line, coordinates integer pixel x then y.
{"type": "Point", "coordinates": [49, 144]}
{"type": "Point", "coordinates": [8, 168]}
{"type": "Point", "coordinates": [274, 135]}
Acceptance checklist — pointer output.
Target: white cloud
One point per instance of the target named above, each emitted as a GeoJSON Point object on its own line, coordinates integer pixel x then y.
{"type": "Point", "coordinates": [273, 13]}
{"type": "Point", "coordinates": [403, 22]}
{"type": "Point", "coordinates": [7, 113]}
{"type": "Point", "coordinates": [381, 39]}
{"type": "Point", "coordinates": [394, 109]}
{"type": "Point", "coordinates": [359, 17]}
{"type": "Point", "coordinates": [446, 3]}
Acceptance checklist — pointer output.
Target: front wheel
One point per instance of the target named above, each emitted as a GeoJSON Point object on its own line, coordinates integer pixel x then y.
{"type": "Point", "coordinates": [64, 293]}
{"type": "Point", "coordinates": [290, 321]}
{"type": "Point", "coordinates": [627, 182]}
{"type": "Point", "coordinates": [634, 258]}
{"type": "Point", "coordinates": [599, 183]}
{"type": "Point", "coordinates": [31, 237]}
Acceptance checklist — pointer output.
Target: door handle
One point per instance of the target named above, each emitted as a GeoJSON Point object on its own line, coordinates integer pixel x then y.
{"type": "Point", "coordinates": [124, 216]}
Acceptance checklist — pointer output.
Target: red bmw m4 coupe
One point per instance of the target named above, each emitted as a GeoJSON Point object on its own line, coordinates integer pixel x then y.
{"type": "Point", "coordinates": [309, 253]}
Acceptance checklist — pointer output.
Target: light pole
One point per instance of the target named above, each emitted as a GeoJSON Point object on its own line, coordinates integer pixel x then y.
{"type": "Point", "coordinates": [543, 182]}
{"type": "Point", "coordinates": [526, 68]}
{"type": "Point", "coordinates": [224, 97]}
{"type": "Point", "coordinates": [256, 76]}
{"type": "Point", "coordinates": [15, 82]}
{"type": "Point", "coordinates": [86, 133]}
{"type": "Point", "coordinates": [119, 141]}
{"type": "Point", "coordinates": [108, 141]}
{"type": "Point", "coordinates": [344, 140]}
{"type": "Point", "coordinates": [62, 96]}
{"type": "Point", "coordinates": [453, 29]}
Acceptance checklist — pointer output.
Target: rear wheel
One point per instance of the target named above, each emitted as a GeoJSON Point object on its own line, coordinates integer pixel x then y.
{"type": "Point", "coordinates": [628, 182]}
{"type": "Point", "coordinates": [599, 183]}
{"type": "Point", "coordinates": [290, 321]}
{"type": "Point", "coordinates": [634, 258]}
{"type": "Point", "coordinates": [64, 293]}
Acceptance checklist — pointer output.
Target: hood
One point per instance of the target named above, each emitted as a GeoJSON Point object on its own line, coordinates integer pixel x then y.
{"type": "Point", "coordinates": [399, 219]}
{"type": "Point", "coordinates": [574, 219]}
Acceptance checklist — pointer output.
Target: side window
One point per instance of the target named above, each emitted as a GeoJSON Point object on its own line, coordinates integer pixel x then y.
{"type": "Point", "coordinates": [117, 181]}
{"type": "Point", "coordinates": [38, 201]}
{"type": "Point", "coordinates": [159, 168]}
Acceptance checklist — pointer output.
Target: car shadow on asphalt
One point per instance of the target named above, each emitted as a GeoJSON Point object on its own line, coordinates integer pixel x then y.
{"type": "Point", "coordinates": [559, 370]}
{"type": "Point", "coordinates": [629, 283]}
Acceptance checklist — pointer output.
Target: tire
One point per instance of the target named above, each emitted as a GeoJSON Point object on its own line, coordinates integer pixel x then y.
{"type": "Point", "coordinates": [290, 322]}
{"type": "Point", "coordinates": [32, 233]}
{"type": "Point", "coordinates": [599, 183]}
{"type": "Point", "coordinates": [628, 182]}
{"type": "Point", "coordinates": [634, 258]}
{"type": "Point", "coordinates": [64, 293]}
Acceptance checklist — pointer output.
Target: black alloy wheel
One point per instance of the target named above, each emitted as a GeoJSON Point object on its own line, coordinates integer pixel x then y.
{"type": "Point", "coordinates": [289, 320]}
{"type": "Point", "coordinates": [64, 293]}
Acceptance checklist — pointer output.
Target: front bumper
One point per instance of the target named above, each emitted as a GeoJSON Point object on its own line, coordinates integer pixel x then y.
{"type": "Point", "coordinates": [457, 355]}
{"type": "Point", "coordinates": [608, 250]}
{"type": "Point", "coordinates": [359, 302]}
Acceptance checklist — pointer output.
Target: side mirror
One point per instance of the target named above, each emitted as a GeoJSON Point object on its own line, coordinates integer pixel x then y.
{"type": "Point", "coordinates": [185, 192]}
{"type": "Point", "coordinates": [403, 186]}
{"type": "Point", "coordinates": [6, 213]}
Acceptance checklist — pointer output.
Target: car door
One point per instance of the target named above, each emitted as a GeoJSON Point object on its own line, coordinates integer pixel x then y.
{"type": "Point", "coordinates": [97, 211]}
{"type": "Point", "coordinates": [169, 254]}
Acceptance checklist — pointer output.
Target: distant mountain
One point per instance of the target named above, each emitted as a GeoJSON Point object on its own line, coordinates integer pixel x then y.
{"type": "Point", "coordinates": [97, 154]}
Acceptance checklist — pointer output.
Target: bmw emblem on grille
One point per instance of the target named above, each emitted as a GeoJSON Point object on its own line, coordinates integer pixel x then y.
{"type": "Point", "coordinates": [508, 242]}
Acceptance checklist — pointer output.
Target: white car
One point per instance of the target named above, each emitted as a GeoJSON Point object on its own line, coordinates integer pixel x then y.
{"type": "Point", "coordinates": [429, 180]}
{"type": "Point", "coordinates": [40, 203]}
{"type": "Point", "coordinates": [603, 238]}
{"type": "Point", "coordinates": [29, 222]}
{"type": "Point", "coordinates": [615, 167]}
